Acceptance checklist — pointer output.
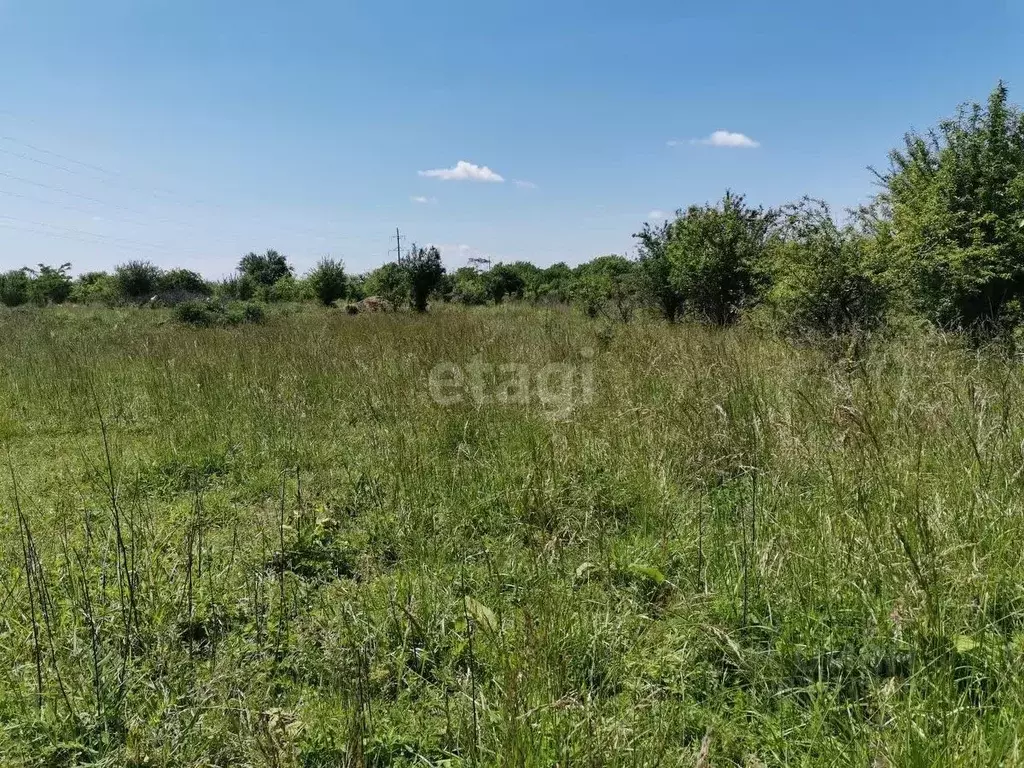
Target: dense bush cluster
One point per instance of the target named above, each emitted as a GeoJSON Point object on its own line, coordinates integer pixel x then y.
{"type": "Point", "coordinates": [943, 240]}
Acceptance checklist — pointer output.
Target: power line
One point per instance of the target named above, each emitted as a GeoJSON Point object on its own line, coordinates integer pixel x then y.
{"type": "Point", "coordinates": [59, 235]}
{"type": "Point", "coordinates": [126, 241]}
{"type": "Point", "coordinates": [157, 193]}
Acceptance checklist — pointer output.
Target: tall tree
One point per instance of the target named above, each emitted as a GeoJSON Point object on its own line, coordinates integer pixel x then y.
{"type": "Point", "coordinates": [956, 195]}
{"type": "Point", "coordinates": [265, 268]}
{"type": "Point", "coordinates": [655, 268]}
{"type": "Point", "coordinates": [717, 256]}
{"type": "Point", "coordinates": [425, 271]}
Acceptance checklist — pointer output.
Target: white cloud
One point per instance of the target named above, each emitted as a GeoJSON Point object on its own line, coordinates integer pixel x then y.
{"type": "Point", "coordinates": [727, 139]}
{"type": "Point", "coordinates": [463, 171]}
{"type": "Point", "coordinates": [423, 200]}
{"type": "Point", "coordinates": [524, 184]}
{"type": "Point", "coordinates": [657, 215]}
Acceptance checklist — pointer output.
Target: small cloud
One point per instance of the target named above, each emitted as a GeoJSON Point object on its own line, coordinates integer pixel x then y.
{"type": "Point", "coordinates": [524, 184]}
{"type": "Point", "coordinates": [657, 215]}
{"type": "Point", "coordinates": [727, 139]}
{"type": "Point", "coordinates": [673, 143]}
{"type": "Point", "coordinates": [423, 200]}
{"type": "Point", "coordinates": [463, 171]}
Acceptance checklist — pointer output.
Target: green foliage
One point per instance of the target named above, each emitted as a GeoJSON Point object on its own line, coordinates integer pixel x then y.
{"type": "Point", "coordinates": [390, 282]}
{"type": "Point", "coordinates": [468, 286]}
{"type": "Point", "coordinates": [137, 281]}
{"type": "Point", "coordinates": [328, 281]}
{"type": "Point", "coordinates": [504, 281]}
{"type": "Point", "coordinates": [205, 313]}
{"type": "Point", "coordinates": [50, 285]}
{"type": "Point", "coordinates": [425, 270]}
{"type": "Point", "coordinates": [198, 313]}
{"type": "Point", "coordinates": [603, 283]}
{"type": "Point", "coordinates": [94, 288]}
{"type": "Point", "coordinates": [656, 283]}
{"type": "Point", "coordinates": [717, 257]}
{"type": "Point", "coordinates": [265, 268]}
{"type": "Point", "coordinates": [184, 281]}
{"type": "Point", "coordinates": [957, 202]}
{"type": "Point", "coordinates": [826, 279]}
{"type": "Point", "coordinates": [245, 313]}
{"type": "Point", "coordinates": [14, 288]}
{"type": "Point", "coordinates": [240, 287]}
{"type": "Point", "coordinates": [554, 283]}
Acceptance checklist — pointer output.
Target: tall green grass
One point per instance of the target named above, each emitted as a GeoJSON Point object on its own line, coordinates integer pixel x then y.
{"type": "Point", "coordinates": [269, 546]}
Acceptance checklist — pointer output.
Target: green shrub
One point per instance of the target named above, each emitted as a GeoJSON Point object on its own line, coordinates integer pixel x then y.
{"type": "Point", "coordinates": [137, 281]}
{"type": "Point", "coordinates": [50, 285]}
{"type": "Point", "coordinates": [717, 257]}
{"type": "Point", "coordinates": [14, 288]}
{"type": "Point", "coordinates": [94, 288]}
{"type": "Point", "coordinates": [825, 279]}
{"type": "Point", "coordinates": [245, 313]}
{"type": "Point", "coordinates": [956, 196]}
{"type": "Point", "coordinates": [184, 281]}
{"type": "Point", "coordinates": [198, 313]}
{"type": "Point", "coordinates": [328, 281]}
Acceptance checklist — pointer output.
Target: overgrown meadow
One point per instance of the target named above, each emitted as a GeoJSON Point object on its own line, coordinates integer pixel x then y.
{"type": "Point", "coordinates": [270, 545]}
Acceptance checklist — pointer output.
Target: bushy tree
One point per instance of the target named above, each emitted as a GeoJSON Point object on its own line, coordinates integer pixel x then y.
{"type": "Point", "coordinates": [956, 195]}
{"type": "Point", "coordinates": [554, 283]}
{"type": "Point", "coordinates": [826, 279]}
{"type": "Point", "coordinates": [603, 282]}
{"type": "Point", "coordinates": [14, 286]}
{"type": "Point", "coordinates": [390, 282]}
{"type": "Point", "coordinates": [656, 283]}
{"type": "Point", "coordinates": [50, 285]}
{"type": "Point", "coordinates": [425, 270]}
{"type": "Point", "coordinates": [239, 287]}
{"type": "Point", "coordinates": [327, 281]}
{"type": "Point", "coordinates": [504, 281]}
{"type": "Point", "coordinates": [94, 288]}
{"type": "Point", "coordinates": [717, 257]}
{"type": "Point", "coordinates": [468, 286]}
{"type": "Point", "coordinates": [184, 281]}
{"type": "Point", "coordinates": [137, 281]}
{"type": "Point", "coordinates": [265, 268]}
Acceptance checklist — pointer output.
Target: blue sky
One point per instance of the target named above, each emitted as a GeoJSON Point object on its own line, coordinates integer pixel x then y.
{"type": "Point", "coordinates": [189, 132]}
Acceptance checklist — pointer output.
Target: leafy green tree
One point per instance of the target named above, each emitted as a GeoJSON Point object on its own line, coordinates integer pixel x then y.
{"type": "Point", "coordinates": [390, 282]}
{"type": "Point", "coordinates": [601, 282]}
{"type": "Point", "coordinates": [655, 270]}
{"type": "Point", "coordinates": [555, 283]}
{"type": "Point", "coordinates": [94, 288]}
{"type": "Point", "coordinates": [717, 257]}
{"type": "Point", "coordinates": [14, 288]}
{"type": "Point", "coordinates": [184, 281]}
{"type": "Point", "coordinates": [239, 287]}
{"type": "Point", "coordinates": [468, 286]}
{"type": "Point", "coordinates": [265, 268]}
{"type": "Point", "coordinates": [328, 281]}
{"type": "Point", "coordinates": [956, 196]}
{"type": "Point", "coordinates": [137, 281]}
{"type": "Point", "coordinates": [504, 281]}
{"type": "Point", "coordinates": [425, 270]}
{"type": "Point", "coordinates": [50, 285]}
{"type": "Point", "coordinates": [827, 279]}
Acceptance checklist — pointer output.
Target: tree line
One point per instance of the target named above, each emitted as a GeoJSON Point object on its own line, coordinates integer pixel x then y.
{"type": "Point", "coordinates": [943, 240]}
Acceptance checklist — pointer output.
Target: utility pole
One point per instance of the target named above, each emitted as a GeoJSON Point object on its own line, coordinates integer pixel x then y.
{"type": "Point", "coordinates": [398, 242]}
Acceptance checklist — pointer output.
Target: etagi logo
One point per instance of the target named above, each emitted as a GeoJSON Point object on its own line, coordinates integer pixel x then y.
{"type": "Point", "coordinates": [558, 387]}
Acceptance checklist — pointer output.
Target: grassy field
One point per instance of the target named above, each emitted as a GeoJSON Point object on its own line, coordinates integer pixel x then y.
{"type": "Point", "coordinates": [278, 546]}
